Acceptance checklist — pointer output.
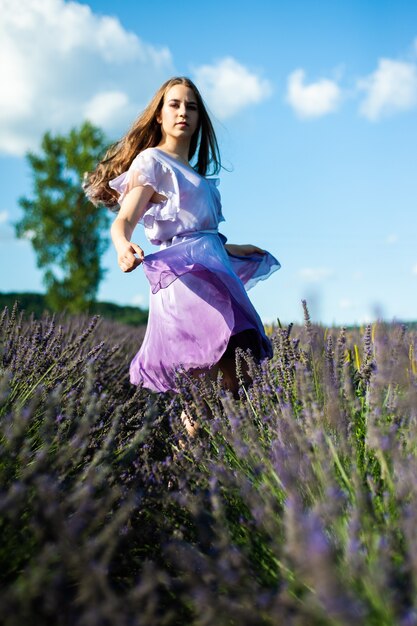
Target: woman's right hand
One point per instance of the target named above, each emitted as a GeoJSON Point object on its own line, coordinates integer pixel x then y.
{"type": "Point", "coordinates": [132, 209]}
{"type": "Point", "coordinates": [126, 258]}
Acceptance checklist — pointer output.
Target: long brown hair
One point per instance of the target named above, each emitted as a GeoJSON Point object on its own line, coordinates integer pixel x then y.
{"type": "Point", "coordinates": [144, 133]}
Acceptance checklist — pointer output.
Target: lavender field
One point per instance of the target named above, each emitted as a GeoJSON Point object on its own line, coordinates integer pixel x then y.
{"type": "Point", "coordinates": [295, 505]}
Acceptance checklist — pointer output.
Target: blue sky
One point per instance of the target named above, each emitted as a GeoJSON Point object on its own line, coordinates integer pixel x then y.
{"type": "Point", "coordinates": [315, 105]}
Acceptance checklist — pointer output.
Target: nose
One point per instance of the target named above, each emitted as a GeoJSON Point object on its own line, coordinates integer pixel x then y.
{"type": "Point", "coordinates": [183, 110]}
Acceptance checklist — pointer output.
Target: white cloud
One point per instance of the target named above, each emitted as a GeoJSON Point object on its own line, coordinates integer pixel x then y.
{"type": "Point", "coordinates": [392, 239]}
{"type": "Point", "coordinates": [6, 229]}
{"type": "Point", "coordinates": [391, 88]}
{"type": "Point", "coordinates": [345, 304]}
{"type": "Point", "coordinates": [414, 270]}
{"type": "Point", "coordinates": [28, 235]}
{"type": "Point", "coordinates": [229, 87]}
{"type": "Point", "coordinates": [138, 300]}
{"type": "Point", "coordinates": [365, 318]}
{"type": "Point", "coordinates": [315, 274]}
{"type": "Point", "coordinates": [59, 61]}
{"type": "Point", "coordinates": [102, 108]}
{"type": "Point", "coordinates": [314, 99]}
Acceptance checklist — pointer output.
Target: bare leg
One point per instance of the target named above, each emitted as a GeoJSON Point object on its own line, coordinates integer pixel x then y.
{"type": "Point", "coordinates": [227, 365]}
{"type": "Point", "coordinates": [190, 424]}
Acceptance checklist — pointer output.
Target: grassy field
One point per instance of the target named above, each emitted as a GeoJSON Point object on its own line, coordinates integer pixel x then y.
{"type": "Point", "coordinates": [296, 504]}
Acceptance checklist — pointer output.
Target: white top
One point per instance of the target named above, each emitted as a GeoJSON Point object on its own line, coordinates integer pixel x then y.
{"type": "Point", "coordinates": [192, 201]}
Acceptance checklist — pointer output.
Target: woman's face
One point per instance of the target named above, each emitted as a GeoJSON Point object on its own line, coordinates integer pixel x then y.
{"type": "Point", "coordinates": [179, 113]}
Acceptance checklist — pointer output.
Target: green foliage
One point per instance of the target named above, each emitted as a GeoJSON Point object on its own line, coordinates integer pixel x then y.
{"type": "Point", "coordinates": [131, 315]}
{"type": "Point", "coordinates": [30, 302]}
{"type": "Point", "coordinates": [36, 303]}
{"type": "Point", "coordinates": [65, 229]}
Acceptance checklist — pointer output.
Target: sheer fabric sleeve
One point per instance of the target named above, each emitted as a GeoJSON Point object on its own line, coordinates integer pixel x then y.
{"type": "Point", "coordinates": [214, 183]}
{"type": "Point", "coordinates": [146, 169]}
{"type": "Point", "coordinates": [251, 269]}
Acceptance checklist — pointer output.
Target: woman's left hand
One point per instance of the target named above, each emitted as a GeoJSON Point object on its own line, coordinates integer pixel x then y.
{"type": "Point", "coordinates": [243, 250]}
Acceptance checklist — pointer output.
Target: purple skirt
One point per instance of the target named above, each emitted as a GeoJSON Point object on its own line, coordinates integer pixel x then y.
{"type": "Point", "coordinates": [198, 303]}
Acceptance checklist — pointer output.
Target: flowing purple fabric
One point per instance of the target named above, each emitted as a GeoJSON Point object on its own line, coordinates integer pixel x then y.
{"type": "Point", "coordinates": [198, 297]}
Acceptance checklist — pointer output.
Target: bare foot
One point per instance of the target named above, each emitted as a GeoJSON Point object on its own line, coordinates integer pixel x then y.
{"type": "Point", "coordinates": [190, 424]}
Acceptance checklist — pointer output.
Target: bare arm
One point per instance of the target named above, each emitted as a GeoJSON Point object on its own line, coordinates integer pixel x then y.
{"type": "Point", "coordinates": [243, 250]}
{"type": "Point", "coordinates": [132, 208]}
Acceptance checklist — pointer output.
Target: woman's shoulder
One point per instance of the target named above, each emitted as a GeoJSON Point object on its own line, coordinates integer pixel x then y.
{"type": "Point", "coordinates": [151, 159]}
{"type": "Point", "coordinates": [154, 157]}
{"type": "Point", "coordinates": [148, 154]}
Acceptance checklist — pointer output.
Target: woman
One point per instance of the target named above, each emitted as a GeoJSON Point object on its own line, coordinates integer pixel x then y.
{"type": "Point", "coordinates": [199, 311]}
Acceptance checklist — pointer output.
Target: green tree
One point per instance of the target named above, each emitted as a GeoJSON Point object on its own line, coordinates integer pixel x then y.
{"type": "Point", "coordinates": [67, 232]}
